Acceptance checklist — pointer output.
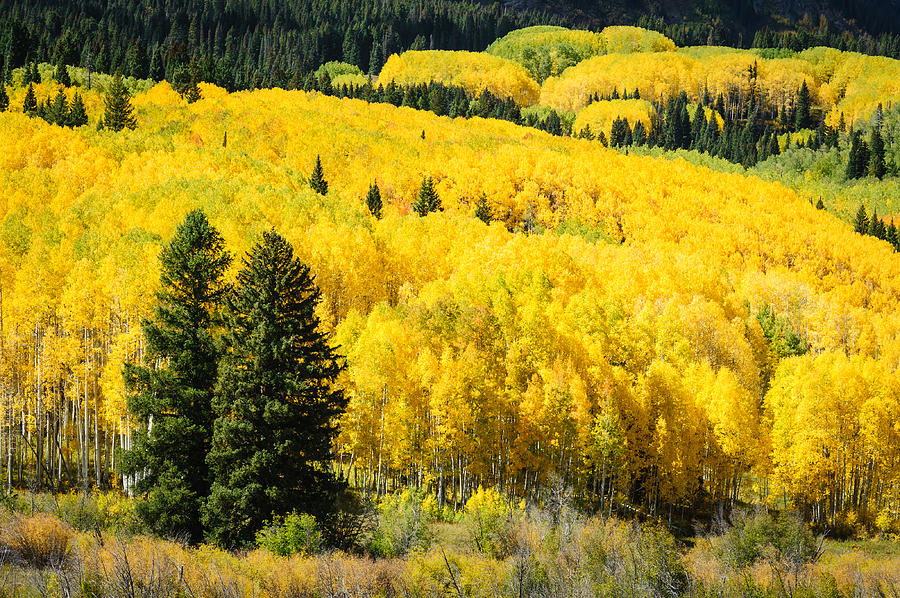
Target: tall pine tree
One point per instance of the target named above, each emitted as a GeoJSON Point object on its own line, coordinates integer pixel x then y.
{"type": "Point", "coordinates": [77, 114]}
{"type": "Point", "coordinates": [373, 200]}
{"type": "Point", "coordinates": [172, 394]}
{"type": "Point", "coordinates": [427, 200]}
{"type": "Point", "coordinates": [876, 166]}
{"type": "Point", "coordinates": [802, 119]}
{"type": "Point", "coordinates": [119, 113]}
{"type": "Point", "coordinates": [29, 104]}
{"type": "Point", "coordinates": [276, 401]}
{"type": "Point", "coordinates": [4, 99]}
{"type": "Point", "coordinates": [483, 209]}
{"type": "Point", "coordinates": [317, 178]}
{"type": "Point", "coordinates": [861, 225]}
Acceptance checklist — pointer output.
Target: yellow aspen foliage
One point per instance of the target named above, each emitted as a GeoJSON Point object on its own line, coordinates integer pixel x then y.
{"type": "Point", "coordinates": [473, 71]}
{"type": "Point", "coordinates": [623, 39]}
{"type": "Point", "coordinates": [546, 50]}
{"type": "Point", "coordinates": [605, 327]}
{"type": "Point", "coordinates": [600, 115]}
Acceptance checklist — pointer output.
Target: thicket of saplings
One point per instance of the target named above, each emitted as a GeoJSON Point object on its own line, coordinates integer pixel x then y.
{"type": "Point", "coordinates": [93, 545]}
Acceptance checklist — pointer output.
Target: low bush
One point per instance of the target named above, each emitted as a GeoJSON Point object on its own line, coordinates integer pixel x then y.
{"type": "Point", "coordinates": [297, 533]}
{"type": "Point", "coordinates": [402, 524]}
{"type": "Point", "coordinates": [40, 541]}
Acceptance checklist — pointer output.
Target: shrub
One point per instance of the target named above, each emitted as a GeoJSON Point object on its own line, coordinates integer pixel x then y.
{"type": "Point", "coordinates": [491, 522]}
{"type": "Point", "coordinates": [754, 537]}
{"type": "Point", "coordinates": [41, 541]}
{"type": "Point", "coordinates": [402, 525]}
{"type": "Point", "coordinates": [80, 511]}
{"type": "Point", "coordinates": [297, 533]}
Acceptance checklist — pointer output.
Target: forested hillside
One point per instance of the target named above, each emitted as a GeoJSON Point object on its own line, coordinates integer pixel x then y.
{"type": "Point", "coordinates": [659, 335]}
{"type": "Point", "coordinates": [308, 276]}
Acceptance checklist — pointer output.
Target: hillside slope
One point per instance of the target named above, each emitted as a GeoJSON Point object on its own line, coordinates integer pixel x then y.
{"type": "Point", "coordinates": [707, 325]}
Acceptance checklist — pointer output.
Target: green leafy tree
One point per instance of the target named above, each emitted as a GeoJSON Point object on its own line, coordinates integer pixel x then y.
{"type": "Point", "coordinates": [119, 113]}
{"type": "Point", "coordinates": [172, 394]}
{"type": "Point", "coordinates": [4, 99]}
{"type": "Point", "coordinates": [317, 179]}
{"type": "Point", "coordinates": [29, 104]}
{"type": "Point", "coordinates": [276, 401]}
{"type": "Point", "coordinates": [373, 200]}
{"type": "Point", "coordinates": [427, 199]}
{"type": "Point", "coordinates": [77, 114]}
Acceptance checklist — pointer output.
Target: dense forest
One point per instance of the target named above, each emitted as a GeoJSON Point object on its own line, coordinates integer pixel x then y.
{"type": "Point", "coordinates": [251, 45]}
{"type": "Point", "coordinates": [489, 305]}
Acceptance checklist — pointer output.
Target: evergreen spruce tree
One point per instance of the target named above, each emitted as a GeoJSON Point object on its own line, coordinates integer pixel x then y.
{"type": "Point", "coordinates": [820, 205]}
{"type": "Point", "coordinates": [276, 401]}
{"type": "Point", "coordinates": [684, 128]}
{"type": "Point", "coordinates": [317, 178]}
{"type": "Point", "coordinates": [855, 164]}
{"type": "Point", "coordinates": [62, 75]}
{"type": "Point", "coordinates": [119, 113]}
{"type": "Point", "coordinates": [427, 200]}
{"type": "Point", "coordinates": [640, 134]}
{"type": "Point", "coordinates": [698, 126]}
{"type": "Point", "coordinates": [861, 224]}
{"type": "Point", "coordinates": [77, 116]}
{"type": "Point", "coordinates": [890, 234]}
{"type": "Point", "coordinates": [373, 200]}
{"type": "Point", "coordinates": [876, 166]}
{"type": "Point", "coordinates": [873, 224]}
{"type": "Point", "coordinates": [802, 118]}
{"type": "Point", "coordinates": [4, 99]}
{"type": "Point", "coordinates": [192, 91]}
{"type": "Point", "coordinates": [157, 70]}
{"type": "Point", "coordinates": [774, 148]}
{"type": "Point", "coordinates": [720, 107]}
{"type": "Point", "coordinates": [483, 209]}
{"type": "Point", "coordinates": [172, 394]}
{"type": "Point", "coordinates": [29, 104]}
{"type": "Point", "coordinates": [58, 113]}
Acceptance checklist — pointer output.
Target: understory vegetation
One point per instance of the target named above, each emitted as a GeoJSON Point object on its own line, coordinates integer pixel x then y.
{"type": "Point", "coordinates": [90, 546]}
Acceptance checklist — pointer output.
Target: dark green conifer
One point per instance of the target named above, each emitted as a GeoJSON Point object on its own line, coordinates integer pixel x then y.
{"type": "Point", "coordinates": [29, 104]}
{"type": "Point", "coordinates": [58, 112]}
{"type": "Point", "coordinates": [820, 205]}
{"type": "Point", "coordinates": [639, 135]}
{"type": "Point", "coordinates": [876, 166]}
{"type": "Point", "coordinates": [861, 224]}
{"type": "Point", "coordinates": [77, 116]}
{"type": "Point", "coordinates": [483, 209]}
{"type": "Point", "coordinates": [427, 200]}
{"type": "Point", "coordinates": [317, 178]}
{"type": "Point", "coordinates": [858, 160]}
{"type": "Point", "coordinates": [698, 126]}
{"type": "Point", "coordinates": [873, 224]}
{"type": "Point", "coordinates": [276, 400]}
{"type": "Point", "coordinates": [373, 200]}
{"type": "Point", "coordinates": [172, 395]}
{"type": "Point", "coordinates": [4, 98]}
{"type": "Point", "coordinates": [119, 113]}
{"type": "Point", "coordinates": [62, 75]}
{"type": "Point", "coordinates": [157, 70]}
{"type": "Point", "coordinates": [802, 118]}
